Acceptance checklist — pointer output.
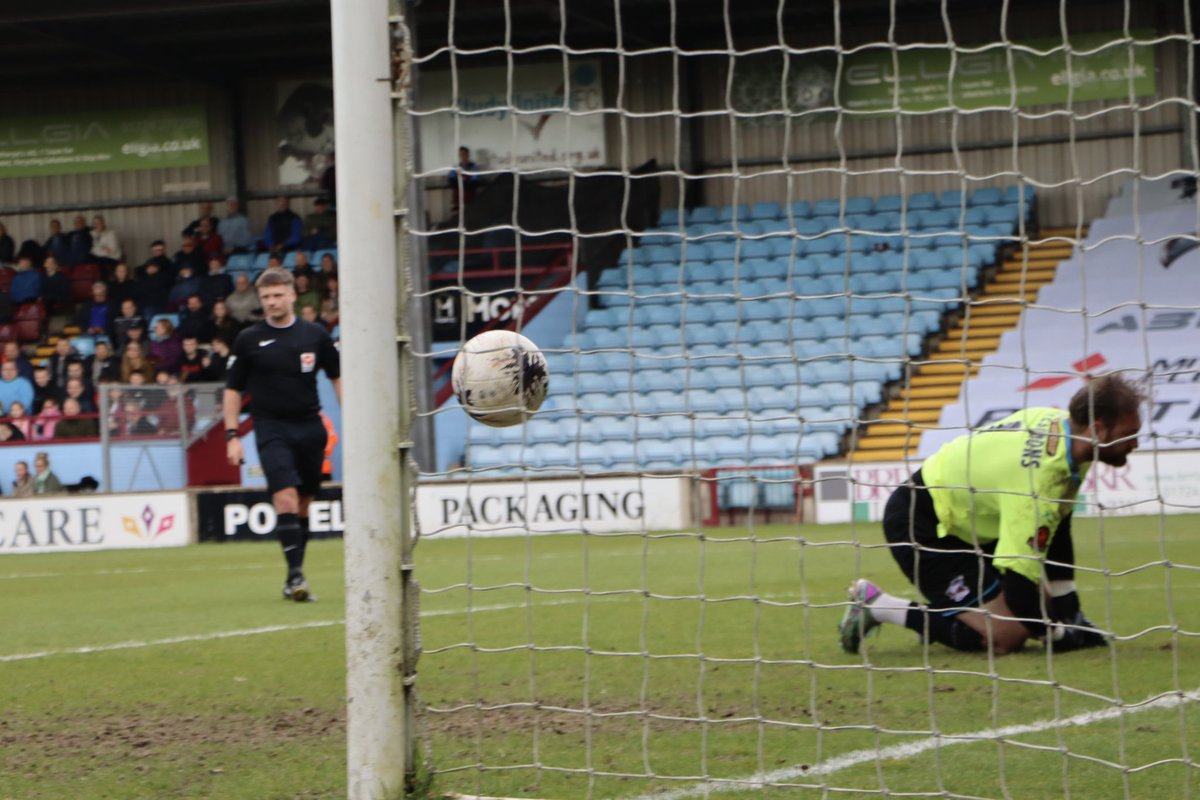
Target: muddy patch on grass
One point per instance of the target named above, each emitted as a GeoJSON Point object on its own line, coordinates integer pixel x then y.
{"type": "Point", "coordinates": [134, 736]}
{"type": "Point", "coordinates": [550, 717]}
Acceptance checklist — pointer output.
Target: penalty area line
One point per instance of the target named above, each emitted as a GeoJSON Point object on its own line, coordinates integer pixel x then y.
{"type": "Point", "coordinates": [209, 637]}
{"type": "Point", "coordinates": [911, 749]}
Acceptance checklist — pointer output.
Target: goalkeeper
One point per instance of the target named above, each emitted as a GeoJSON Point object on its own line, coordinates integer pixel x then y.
{"type": "Point", "coordinates": [983, 529]}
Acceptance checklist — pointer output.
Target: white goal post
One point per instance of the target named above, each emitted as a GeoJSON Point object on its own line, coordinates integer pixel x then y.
{"type": "Point", "coordinates": [775, 256]}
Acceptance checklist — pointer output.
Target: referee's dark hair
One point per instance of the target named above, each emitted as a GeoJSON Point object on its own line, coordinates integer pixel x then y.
{"type": "Point", "coordinates": [1105, 399]}
{"type": "Point", "coordinates": [275, 277]}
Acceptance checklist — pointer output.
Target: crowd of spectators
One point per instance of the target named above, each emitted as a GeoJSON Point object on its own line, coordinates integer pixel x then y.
{"type": "Point", "coordinates": [170, 320]}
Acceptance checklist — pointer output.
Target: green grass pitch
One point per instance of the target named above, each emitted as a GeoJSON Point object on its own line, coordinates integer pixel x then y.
{"type": "Point", "coordinates": [592, 666]}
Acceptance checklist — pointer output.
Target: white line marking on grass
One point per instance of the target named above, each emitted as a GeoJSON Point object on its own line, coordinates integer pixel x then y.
{"type": "Point", "coordinates": [911, 749]}
{"type": "Point", "coordinates": [199, 637]}
{"type": "Point", "coordinates": [133, 571]}
{"type": "Point", "coordinates": [208, 637]}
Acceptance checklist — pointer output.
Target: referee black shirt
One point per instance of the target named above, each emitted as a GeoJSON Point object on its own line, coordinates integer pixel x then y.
{"type": "Point", "coordinates": [278, 368]}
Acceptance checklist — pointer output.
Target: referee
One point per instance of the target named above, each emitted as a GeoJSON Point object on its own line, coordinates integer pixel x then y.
{"type": "Point", "coordinates": [276, 362]}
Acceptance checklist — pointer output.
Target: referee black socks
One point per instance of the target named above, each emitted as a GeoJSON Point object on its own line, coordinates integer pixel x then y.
{"type": "Point", "coordinates": [291, 539]}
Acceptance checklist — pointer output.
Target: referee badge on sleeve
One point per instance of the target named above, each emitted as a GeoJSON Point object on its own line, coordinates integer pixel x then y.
{"type": "Point", "coordinates": [308, 362]}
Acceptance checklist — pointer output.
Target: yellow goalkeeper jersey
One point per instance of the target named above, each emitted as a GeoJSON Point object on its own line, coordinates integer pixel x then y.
{"type": "Point", "coordinates": [1010, 483]}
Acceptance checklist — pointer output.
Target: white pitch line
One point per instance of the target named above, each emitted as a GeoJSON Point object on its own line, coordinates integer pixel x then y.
{"type": "Point", "coordinates": [911, 749]}
{"type": "Point", "coordinates": [208, 637]}
{"type": "Point", "coordinates": [12, 576]}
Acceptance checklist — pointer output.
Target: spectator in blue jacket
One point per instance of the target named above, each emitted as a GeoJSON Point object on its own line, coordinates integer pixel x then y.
{"type": "Point", "coordinates": [98, 314]}
{"type": "Point", "coordinates": [14, 387]}
{"type": "Point", "coordinates": [284, 228]}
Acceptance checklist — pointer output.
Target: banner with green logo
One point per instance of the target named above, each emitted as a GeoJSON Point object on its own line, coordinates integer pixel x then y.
{"type": "Point", "coordinates": [922, 78]}
{"type": "Point", "coordinates": [103, 141]}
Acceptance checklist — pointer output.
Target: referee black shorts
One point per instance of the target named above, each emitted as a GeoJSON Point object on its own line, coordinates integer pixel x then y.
{"type": "Point", "coordinates": [953, 574]}
{"type": "Point", "coordinates": [291, 453]}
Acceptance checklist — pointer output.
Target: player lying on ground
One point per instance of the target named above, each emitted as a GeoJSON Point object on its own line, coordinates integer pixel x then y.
{"type": "Point", "coordinates": [983, 530]}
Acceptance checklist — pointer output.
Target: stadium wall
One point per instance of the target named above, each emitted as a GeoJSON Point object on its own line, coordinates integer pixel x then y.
{"type": "Point", "coordinates": [676, 111]}
{"type": "Point", "coordinates": [141, 205]}
{"type": "Point", "coordinates": [146, 204]}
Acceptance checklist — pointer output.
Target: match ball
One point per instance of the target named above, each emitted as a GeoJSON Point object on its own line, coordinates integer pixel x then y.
{"type": "Point", "coordinates": [500, 378]}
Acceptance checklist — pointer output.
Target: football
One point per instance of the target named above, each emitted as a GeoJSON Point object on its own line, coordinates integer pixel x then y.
{"type": "Point", "coordinates": [500, 378]}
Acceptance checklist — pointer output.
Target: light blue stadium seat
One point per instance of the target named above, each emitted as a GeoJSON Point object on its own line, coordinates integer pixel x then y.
{"type": "Point", "coordinates": [727, 450]}
{"type": "Point", "coordinates": [828, 224]}
{"type": "Point", "coordinates": [84, 345]}
{"type": "Point", "coordinates": [1003, 215]}
{"type": "Point", "coordinates": [604, 318]}
{"type": "Point", "coordinates": [927, 260]}
{"type": "Point", "coordinates": [703, 215]}
{"type": "Point", "coordinates": [722, 312]}
{"type": "Point", "coordinates": [549, 431]}
{"type": "Point", "coordinates": [765, 448]}
{"type": "Point", "coordinates": [703, 273]}
{"type": "Point", "coordinates": [766, 210]}
{"type": "Point", "coordinates": [757, 248]}
{"type": "Point", "coordinates": [731, 213]}
{"type": "Point", "coordinates": [589, 382]}
{"type": "Point", "coordinates": [783, 247]}
{"type": "Point", "coordinates": [940, 219]}
{"type": "Point", "coordinates": [808, 227]}
{"type": "Point", "coordinates": [662, 254]}
{"type": "Point", "coordinates": [669, 218]}
{"type": "Point", "coordinates": [1014, 194]}
{"type": "Point", "coordinates": [880, 284]}
{"type": "Point", "coordinates": [695, 252]}
{"type": "Point", "coordinates": [986, 196]}
{"type": "Point", "coordinates": [975, 215]}
{"type": "Point", "coordinates": [922, 200]}
{"type": "Point", "coordinates": [828, 306]}
{"type": "Point", "coordinates": [240, 262]}
{"type": "Point", "coordinates": [613, 278]}
{"type": "Point", "coordinates": [722, 251]}
{"type": "Point", "coordinates": [836, 418]}
{"type": "Point", "coordinates": [951, 198]}
{"type": "Point", "coordinates": [800, 209]}
{"type": "Point", "coordinates": [801, 268]}
{"type": "Point", "coordinates": [654, 402]}
{"type": "Point", "coordinates": [753, 268]}
{"type": "Point", "coordinates": [860, 204]}
{"type": "Point", "coordinates": [825, 245]}
{"type": "Point", "coordinates": [655, 380]}
{"type": "Point", "coordinates": [827, 207]}
{"type": "Point", "coordinates": [879, 223]}
{"type": "Point", "coordinates": [552, 455]}
{"type": "Point", "coordinates": [600, 339]}
{"type": "Point", "coordinates": [889, 204]}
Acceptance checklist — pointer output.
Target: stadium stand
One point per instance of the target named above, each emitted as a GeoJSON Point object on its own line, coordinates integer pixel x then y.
{"type": "Point", "coordinates": [757, 334]}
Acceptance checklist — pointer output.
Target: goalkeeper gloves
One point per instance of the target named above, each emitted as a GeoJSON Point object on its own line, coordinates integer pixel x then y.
{"type": "Point", "coordinates": [1074, 633]}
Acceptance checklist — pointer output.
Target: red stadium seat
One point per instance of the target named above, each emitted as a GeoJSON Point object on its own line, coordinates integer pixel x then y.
{"type": "Point", "coordinates": [6, 278]}
{"type": "Point", "coordinates": [82, 278]}
{"type": "Point", "coordinates": [28, 330]}
{"type": "Point", "coordinates": [8, 333]}
{"type": "Point", "coordinates": [28, 321]}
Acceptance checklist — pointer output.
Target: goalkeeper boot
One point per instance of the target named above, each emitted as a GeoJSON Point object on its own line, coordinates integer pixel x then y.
{"type": "Point", "coordinates": [296, 589]}
{"type": "Point", "coordinates": [857, 622]}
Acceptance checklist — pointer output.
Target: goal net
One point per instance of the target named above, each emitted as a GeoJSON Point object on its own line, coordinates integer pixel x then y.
{"type": "Point", "coordinates": [776, 255]}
